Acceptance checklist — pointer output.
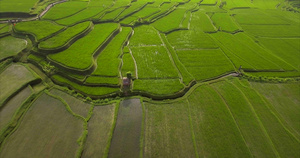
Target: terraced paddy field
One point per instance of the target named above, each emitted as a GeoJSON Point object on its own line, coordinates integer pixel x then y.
{"type": "Point", "coordinates": [149, 78]}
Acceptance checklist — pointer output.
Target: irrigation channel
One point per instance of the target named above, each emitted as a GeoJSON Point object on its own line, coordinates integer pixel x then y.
{"type": "Point", "coordinates": [126, 136]}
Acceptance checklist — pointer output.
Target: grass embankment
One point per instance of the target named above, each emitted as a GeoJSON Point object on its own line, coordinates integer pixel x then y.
{"type": "Point", "coordinates": [80, 54]}
{"type": "Point", "coordinates": [64, 37]}
{"type": "Point", "coordinates": [88, 90]}
{"type": "Point", "coordinates": [108, 61]}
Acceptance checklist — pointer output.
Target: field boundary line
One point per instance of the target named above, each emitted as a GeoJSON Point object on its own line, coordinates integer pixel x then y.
{"type": "Point", "coordinates": [237, 126]}
{"type": "Point", "coordinates": [20, 119]}
{"type": "Point", "coordinates": [111, 132]}
{"type": "Point", "coordinates": [258, 119]}
{"type": "Point", "coordinates": [223, 47]}
{"type": "Point", "coordinates": [192, 128]}
{"type": "Point", "coordinates": [273, 111]}
{"type": "Point", "coordinates": [142, 137]}
{"type": "Point", "coordinates": [171, 58]}
{"type": "Point", "coordinates": [135, 64]}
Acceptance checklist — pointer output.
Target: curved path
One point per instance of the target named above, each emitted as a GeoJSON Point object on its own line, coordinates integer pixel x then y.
{"type": "Point", "coordinates": [38, 16]}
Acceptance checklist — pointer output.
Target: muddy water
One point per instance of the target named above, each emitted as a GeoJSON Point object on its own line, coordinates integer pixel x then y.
{"type": "Point", "coordinates": [126, 137]}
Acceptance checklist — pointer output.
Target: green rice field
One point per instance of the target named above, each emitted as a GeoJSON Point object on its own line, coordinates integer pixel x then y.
{"type": "Point", "coordinates": [149, 78]}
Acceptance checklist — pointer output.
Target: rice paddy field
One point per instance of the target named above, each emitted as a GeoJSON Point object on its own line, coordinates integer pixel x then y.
{"type": "Point", "coordinates": [149, 78]}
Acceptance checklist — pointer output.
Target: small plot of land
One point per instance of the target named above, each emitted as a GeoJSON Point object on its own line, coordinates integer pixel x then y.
{"type": "Point", "coordinates": [17, 6]}
{"type": "Point", "coordinates": [153, 62]}
{"type": "Point", "coordinates": [80, 54]}
{"type": "Point", "coordinates": [8, 110]}
{"type": "Point", "coordinates": [190, 39]}
{"type": "Point", "coordinates": [224, 22]}
{"type": "Point", "coordinates": [77, 106]}
{"type": "Point", "coordinates": [167, 131]}
{"type": "Point", "coordinates": [286, 49]}
{"type": "Point", "coordinates": [10, 46]}
{"type": "Point", "coordinates": [202, 63]}
{"type": "Point", "coordinates": [39, 29]}
{"type": "Point", "coordinates": [108, 61]}
{"type": "Point", "coordinates": [89, 90]}
{"type": "Point", "coordinates": [138, 38]}
{"type": "Point", "coordinates": [170, 22]}
{"type": "Point", "coordinates": [243, 47]}
{"type": "Point", "coordinates": [99, 128]}
{"type": "Point", "coordinates": [86, 14]}
{"type": "Point", "coordinates": [14, 78]}
{"type": "Point", "coordinates": [64, 37]}
{"type": "Point", "coordinates": [65, 9]}
{"type": "Point", "coordinates": [56, 136]}
{"type": "Point", "coordinates": [158, 87]}
{"type": "Point", "coordinates": [127, 133]}
{"type": "Point", "coordinates": [284, 99]}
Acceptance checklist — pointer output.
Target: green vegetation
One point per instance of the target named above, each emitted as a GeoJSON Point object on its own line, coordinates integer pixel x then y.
{"type": "Point", "coordinates": [170, 22]}
{"type": "Point", "coordinates": [245, 48]}
{"type": "Point", "coordinates": [77, 106]}
{"type": "Point", "coordinates": [86, 14]}
{"type": "Point", "coordinates": [202, 21]}
{"type": "Point", "coordinates": [207, 78]}
{"type": "Point", "coordinates": [99, 127]}
{"type": "Point", "coordinates": [186, 76]}
{"type": "Point", "coordinates": [158, 86]}
{"type": "Point", "coordinates": [64, 37]}
{"type": "Point", "coordinates": [224, 22]}
{"type": "Point", "coordinates": [9, 109]}
{"type": "Point", "coordinates": [88, 90]}
{"type": "Point", "coordinates": [14, 78]}
{"type": "Point", "coordinates": [284, 100]}
{"type": "Point", "coordinates": [189, 39]}
{"type": "Point", "coordinates": [286, 49]}
{"type": "Point", "coordinates": [10, 46]}
{"type": "Point", "coordinates": [102, 80]}
{"type": "Point", "coordinates": [138, 38]}
{"type": "Point", "coordinates": [162, 130]}
{"type": "Point", "coordinates": [202, 63]}
{"type": "Point", "coordinates": [157, 65]}
{"type": "Point", "coordinates": [27, 139]}
{"type": "Point", "coordinates": [80, 54]}
{"type": "Point", "coordinates": [17, 6]}
{"type": "Point", "coordinates": [39, 29]}
{"type": "Point", "coordinates": [64, 10]}
{"type": "Point", "coordinates": [112, 14]}
{"type": "Point", "coordinates": [108, 61]}
{"type": "Point", "coordinates": [128, 64]}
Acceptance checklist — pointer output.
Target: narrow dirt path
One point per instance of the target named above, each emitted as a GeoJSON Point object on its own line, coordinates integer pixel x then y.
{"type": "Point", "coordinates": [135, 65]}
